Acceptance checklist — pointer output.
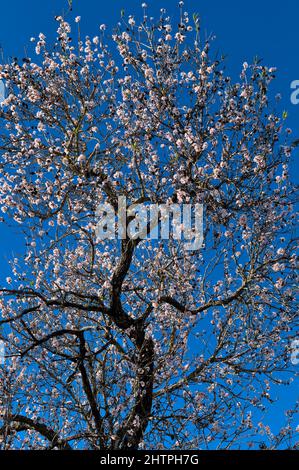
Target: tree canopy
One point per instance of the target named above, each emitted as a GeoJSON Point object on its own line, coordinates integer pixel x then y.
{"type": "Point", "coordinates": [116, 344]}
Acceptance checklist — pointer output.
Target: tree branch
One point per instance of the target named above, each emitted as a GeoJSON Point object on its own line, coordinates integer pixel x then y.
{"type": "Point", "coordinates": [23, 423]}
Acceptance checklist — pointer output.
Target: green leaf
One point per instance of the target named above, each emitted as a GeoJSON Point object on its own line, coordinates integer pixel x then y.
{"type": "Point", "coordinates": [196, 21]}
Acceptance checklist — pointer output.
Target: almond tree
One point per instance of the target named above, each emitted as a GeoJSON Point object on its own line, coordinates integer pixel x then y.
{"type": "Point", "coordinates": [133, 343]}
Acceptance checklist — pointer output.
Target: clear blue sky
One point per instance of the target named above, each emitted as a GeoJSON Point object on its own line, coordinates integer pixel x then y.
{"type": "Point", "coordinates": [264, 28]}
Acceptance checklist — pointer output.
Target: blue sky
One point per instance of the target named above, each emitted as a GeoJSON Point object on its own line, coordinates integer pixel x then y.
{"type": "Point", "coordinates": [264, 28]}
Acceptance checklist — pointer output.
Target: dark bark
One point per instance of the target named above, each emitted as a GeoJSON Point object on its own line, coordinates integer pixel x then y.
{"type": "Point", "coordinates": [21, 423]}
